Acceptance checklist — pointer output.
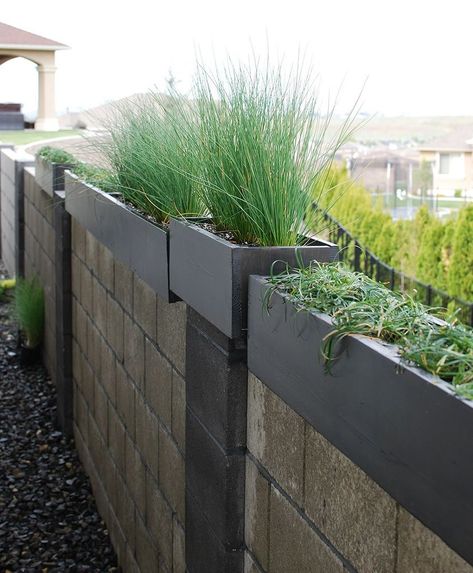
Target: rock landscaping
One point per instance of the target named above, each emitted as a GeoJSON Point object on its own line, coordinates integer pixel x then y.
{"type": "Point", "coordinates": [48, 518]}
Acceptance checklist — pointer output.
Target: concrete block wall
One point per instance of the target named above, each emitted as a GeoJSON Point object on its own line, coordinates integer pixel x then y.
{"type": "Point", "coordinates": [309, 508]}
{"type": "Point", "coordinates": [129, 366]}
{"type": "Point", "coordinates": [8, 213]}
{"type": "Point", "coordinates": [40, 257]}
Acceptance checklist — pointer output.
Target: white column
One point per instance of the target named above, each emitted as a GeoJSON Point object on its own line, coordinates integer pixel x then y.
{"type": "Point", "coordinates": [46, 120]}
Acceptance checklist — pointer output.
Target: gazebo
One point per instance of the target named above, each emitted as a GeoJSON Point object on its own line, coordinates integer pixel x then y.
{"type": "Point", "coordinates": [16, 43]}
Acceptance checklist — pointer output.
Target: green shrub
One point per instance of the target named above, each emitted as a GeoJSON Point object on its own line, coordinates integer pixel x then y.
{"type": "Point", "coordinates": [55, 155]}
{"type": "Point", "coordinates": [95, 176]}
{"type": "Point", "coordinates": [460, 275]}
{"type": "Point", "coordinates": [29, 310]}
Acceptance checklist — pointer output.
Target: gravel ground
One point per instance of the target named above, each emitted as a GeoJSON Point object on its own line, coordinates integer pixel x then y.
{"type": "Point", "coordinates": [48, 519]}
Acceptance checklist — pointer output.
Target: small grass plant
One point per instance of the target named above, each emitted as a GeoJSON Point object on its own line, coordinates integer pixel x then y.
{"type": "Point", "coordinates": [29, 310]}
{"type": "Point", "coordinates": [359, 305]}
{"type": "Point", "coordinates": [56, 155]}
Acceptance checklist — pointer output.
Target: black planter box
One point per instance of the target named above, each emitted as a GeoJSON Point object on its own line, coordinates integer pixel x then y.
{"type": "Point", "coordinates": [133, 240]}
{"type": "Point", "coordinates": [211, 274]}
{"type": "Point", "coordinates": [405, 428]}
{"type": "Point", "coordinates": [50, 176]}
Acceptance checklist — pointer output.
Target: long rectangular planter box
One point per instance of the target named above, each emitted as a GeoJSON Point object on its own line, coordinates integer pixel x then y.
{"type": "Point", "coordinates": [211, 274]}
{"type": "Point", "coordinates": [405, 428]}
{"type": "Point", "coordinates": [133, 240]}
{"type": "Point", "coordinates": [49, 175]}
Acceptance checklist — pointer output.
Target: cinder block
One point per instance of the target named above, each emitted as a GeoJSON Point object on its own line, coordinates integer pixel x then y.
{"type": "Point", "coordinates": [421, 551]}
{"type": "Point", "coordinates": [276, 437]}
{"type": "Point", "coordinates": [106, 267]}
{"type": "Point", "coordinates": [124, 286]}
{"type": "Point", "coordinates": [86, 289]}
{"type": "Point", "coordinates": [75, 271]}
{"type": "Point", "coordinates": [101, 411]}
{"type": "Point", "coordinates": [135, 472]}
{"type": "Point", "coordinates": [116, 439]}
{"type": "Point", "coordinates": [158, 383]}
{"type": "Point", "coordinates": [178, 548]}
{"type": "Point", "coordinates": [115, 327]}
{"type": "Point", "coordinates": [108, 370]}
{"type": "Point", "coordinates": [257, 513]}
{"type": "Point", "coordinates": [99, 305]}
{"type": "Point", "coordinates": [144, 307]}
{"type": "Point", "coordinates": [250, 565]}
{"type": "Point", "coordinates": [134, 352]}
{"type": "Point", "coordinates": [295, 546]}
{"type": "Point", "coordinates": [78, 239]}
{"type": "Point", "coordinates": [348, 507]}
{"type": "Point", "coordinates": [126, 400]}
{"type": "Point", "coordinates": [126, 512]}
{"type": "Point", "coordinates": [91, 252]}
{"type": "Point", "coordinates": [88, 384]}
{"type": "Point", "coordinates": [159, 520]}
{"type": "Point", "coordinates": [179, 410]}
{"type": "Point", "coordinates": [171, 474]}
{"type": "Point", "coordinates": [147, 435]}
{"type": "Point", "coordinates": [171, 331]}
{"type": "Point", "coordinates": [146, 551]}
{"type": "Point", "coordinates": [80, 413]}
{"type": "Point", "coordinates": [79, 324]}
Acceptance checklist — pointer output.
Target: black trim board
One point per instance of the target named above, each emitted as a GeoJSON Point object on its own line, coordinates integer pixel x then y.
{"type": "Point", "coordinates": [406, 429]}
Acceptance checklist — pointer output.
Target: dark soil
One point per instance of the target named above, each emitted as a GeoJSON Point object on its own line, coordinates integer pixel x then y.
{"type": "Point", "coordinates": [48, 518]}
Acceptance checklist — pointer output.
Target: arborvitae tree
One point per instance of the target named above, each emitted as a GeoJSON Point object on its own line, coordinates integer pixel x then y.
{"type": "Point", "coordinates": [460, 273]}
{"type": "Point", "coordinates": [429, 259]}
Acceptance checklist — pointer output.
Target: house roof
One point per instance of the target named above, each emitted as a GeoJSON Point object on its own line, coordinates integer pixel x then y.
{"type": "Point", "coordinates": [14, 38]}
{"type": "Point", "coordinates": [460, 139]}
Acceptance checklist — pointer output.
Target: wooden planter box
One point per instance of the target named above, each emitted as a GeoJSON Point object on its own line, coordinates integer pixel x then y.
{"type": "Point", "coordinates": [405, 428]}
{"type": "Point", "coordinates": [211, 274]}
{"type": "Point", "coordinates": [132, 239]}
{"type": "Point", "coordinates": [50, 176]}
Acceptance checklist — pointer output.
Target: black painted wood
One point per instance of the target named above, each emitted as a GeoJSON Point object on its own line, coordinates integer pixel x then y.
{"type": "Point", "coordinates": [211, 274]}
{"type": "Point", "coordinates": [50, 176]}
{"type": "Point", "coordinates": [406, 429]}
{"type": "Point", "coordinates": [133, 240]}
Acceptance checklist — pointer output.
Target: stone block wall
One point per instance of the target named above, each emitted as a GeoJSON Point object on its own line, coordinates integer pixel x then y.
{"type": "Point", "coordinates": [129, 366]}
{"type": "Point", "coordinates": [40, 257]}
{"type": "Point", "coordinates": [309, 508]}
{"type": "Point", "coordinates": [8, 213]}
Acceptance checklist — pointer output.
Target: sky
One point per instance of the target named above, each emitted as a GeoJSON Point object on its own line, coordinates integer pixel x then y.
{"type": "Point", "coordinates": [409, 57]}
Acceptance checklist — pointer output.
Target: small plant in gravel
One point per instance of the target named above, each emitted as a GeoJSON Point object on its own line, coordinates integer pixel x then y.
{"type": "Point", "coordinates": [148, 150]}
{"type": "Point", "coordinates": [29, 310]}
{"type": "Point", "coordinates": [55, 155]}
{"type": "Point", "coordinates": [263, 144]}
{"type": "Point", "coordinates": [360, 305]}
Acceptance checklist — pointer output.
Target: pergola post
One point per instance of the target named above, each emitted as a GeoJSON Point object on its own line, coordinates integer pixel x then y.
{"type": "Point", "coordinates": [46, 120]}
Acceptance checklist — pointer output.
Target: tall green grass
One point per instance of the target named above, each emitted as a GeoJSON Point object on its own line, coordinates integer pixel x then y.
{"type": "Point", "coordinates": [148, 153]}
{"type": "Point", "coordinates": [360, 305]}
{"type": "Point", "coordinates": [263, 143]}
{"type": "Point", "coordinates": [29, 310]}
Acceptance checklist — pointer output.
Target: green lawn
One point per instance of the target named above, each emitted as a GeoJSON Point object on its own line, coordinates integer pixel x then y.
{"type": "Point", "coordinates": [30, 135]}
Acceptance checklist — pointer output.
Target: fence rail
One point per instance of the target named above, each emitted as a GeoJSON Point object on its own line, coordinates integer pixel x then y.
{"type": "Point", "coordinates": [359, 258]}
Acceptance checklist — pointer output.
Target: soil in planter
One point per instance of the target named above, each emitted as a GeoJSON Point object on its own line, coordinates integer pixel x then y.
{"type": "Point", "coordinates": [48, 517]}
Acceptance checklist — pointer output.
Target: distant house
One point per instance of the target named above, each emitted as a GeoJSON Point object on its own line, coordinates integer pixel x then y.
{"type": "Point", "coordinates": [451, 158]}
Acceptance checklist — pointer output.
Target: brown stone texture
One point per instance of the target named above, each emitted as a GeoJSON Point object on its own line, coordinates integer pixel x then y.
{"type": "Point", "coordinates": [257, 513]}
{"type": "Point", "coordinates": [349, 508]}
{"type": "Point", "coordinates": [294, 545]}
{"type": "Point", "coordinates": [130, 406]}
{"type": "Point", "coordinates": [421, 551]}
{"type": "Point", "coordinates": [276, 437]}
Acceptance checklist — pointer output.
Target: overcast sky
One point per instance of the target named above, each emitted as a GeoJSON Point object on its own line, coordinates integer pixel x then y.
{"type": "Point", "coordinates": [416, 55]}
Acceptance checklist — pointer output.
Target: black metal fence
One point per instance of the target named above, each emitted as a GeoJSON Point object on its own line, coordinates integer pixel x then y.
{"type": "Point", "coordinates": [359, 258]}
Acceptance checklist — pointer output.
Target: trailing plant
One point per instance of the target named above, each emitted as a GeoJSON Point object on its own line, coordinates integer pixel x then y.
{"type": "Point", "coordinates": [29, 310]}
{"type": "Point", "coordinates": [148, 151]}
{"type": "Point", "coordinates": [55, 155]}
{"type": "Point", "coordinates": [360, 305]}
{"type": "Point", "coordinates": [263, 143]}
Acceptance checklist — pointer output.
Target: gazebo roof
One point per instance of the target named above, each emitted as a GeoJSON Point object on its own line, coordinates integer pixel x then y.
{"type": "Point", "coordinates": [14, 38]}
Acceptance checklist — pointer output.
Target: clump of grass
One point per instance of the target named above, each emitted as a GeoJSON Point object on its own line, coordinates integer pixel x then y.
{"type": "Point", "coordinates": [360, 305]}
{"type": "Point", "coordinates": [95, 176]}
{"type": "Point", "coordinates": [29, 310]}
{"type": "Point", "coordinates": [148, 150]}
{"type": "Point", "coordinates": [55, 155]}
{"type": "Point", "coordinates": [263, 144]}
